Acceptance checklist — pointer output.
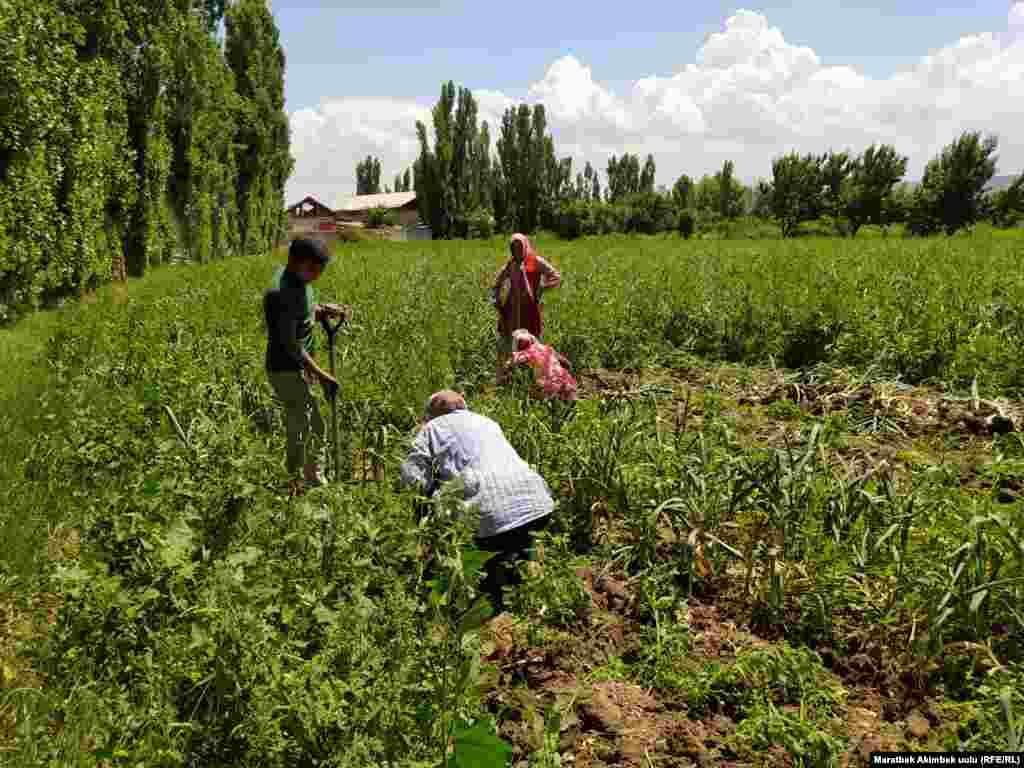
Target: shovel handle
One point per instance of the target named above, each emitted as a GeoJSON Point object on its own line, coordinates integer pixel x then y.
{"type": "Point", "coordinates": [331, 390]}
{"type": "Point", "coordinates": [331, 329]}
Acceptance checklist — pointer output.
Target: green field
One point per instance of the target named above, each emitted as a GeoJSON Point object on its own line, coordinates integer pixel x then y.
{"type": "Point", "coordinates": [788, 516]}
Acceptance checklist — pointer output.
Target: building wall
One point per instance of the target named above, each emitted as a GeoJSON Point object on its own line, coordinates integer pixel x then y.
{"type": "Point", "coordinates": [415, 232]}
{"type": "Point", "coordinates": [406, 216]}
{"type": "Point", "coordinates": [308, 225]}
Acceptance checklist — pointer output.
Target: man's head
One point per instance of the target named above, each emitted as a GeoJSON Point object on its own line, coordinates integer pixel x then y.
{"type": "Point", "coordinates": [307, 258]}
{"type": "Point", "coordinates": [442, 403]}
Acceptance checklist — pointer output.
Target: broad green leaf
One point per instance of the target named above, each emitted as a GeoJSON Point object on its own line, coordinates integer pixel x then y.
{"type": "Point", "coordinates": [468, 671]}
{"type": "Point", "coordinates": [439, 589]}
{"type": "Point", "coordinates": [473, 561]}
{"type": "Point", "coordinates": [477, 746]}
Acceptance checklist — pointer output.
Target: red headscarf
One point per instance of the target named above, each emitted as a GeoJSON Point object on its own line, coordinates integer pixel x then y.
{"type": "Point", "coordinates": [529, 255]}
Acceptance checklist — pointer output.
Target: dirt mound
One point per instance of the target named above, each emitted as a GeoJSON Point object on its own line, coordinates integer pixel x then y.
{"type": "Point", "coordinates": [885, 406]}
{"type": "Point", "coordinates": [607, 593]}
{"type": "Point", "coordinates": [913, 411]}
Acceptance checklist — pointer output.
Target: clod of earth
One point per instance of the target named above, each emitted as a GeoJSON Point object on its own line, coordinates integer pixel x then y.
{"type": "Point", "coordinates": [918, 725]}
{"type": "Point", "coordinates": [606, 592]}
{"type": "Point", "coordinates": [602, 714]}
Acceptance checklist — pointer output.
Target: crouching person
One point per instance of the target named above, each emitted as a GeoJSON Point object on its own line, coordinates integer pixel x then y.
{"type": "Point", "coordinates": [514, 501]}
{"type": "Point", "coordinates": [550, 367]}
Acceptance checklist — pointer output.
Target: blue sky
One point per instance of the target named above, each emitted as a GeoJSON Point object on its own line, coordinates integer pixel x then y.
{"type": "Point", "coordinates": [406, 49]}
{"type": "Point", "coordinates": [693, 84]}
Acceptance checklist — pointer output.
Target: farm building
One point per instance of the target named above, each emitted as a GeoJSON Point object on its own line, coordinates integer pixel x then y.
{"type": "Point", "coordinates": [356, 209]}
{"type": "Point", "coordinates": [309, 216]}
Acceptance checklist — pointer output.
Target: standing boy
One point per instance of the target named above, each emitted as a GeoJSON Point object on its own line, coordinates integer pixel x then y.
{"type": "Point", "coordinates": [290, 310]}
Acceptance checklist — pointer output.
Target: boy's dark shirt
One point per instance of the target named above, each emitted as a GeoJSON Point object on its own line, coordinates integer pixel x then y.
{"type": "Point", "coordinates": [288, 311]}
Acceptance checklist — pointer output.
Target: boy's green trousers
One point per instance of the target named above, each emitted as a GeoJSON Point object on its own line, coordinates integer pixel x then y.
{"type": "Point", "coordinates": [302, 417]}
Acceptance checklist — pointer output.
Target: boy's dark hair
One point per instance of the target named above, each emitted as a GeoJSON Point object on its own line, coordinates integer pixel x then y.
{"type": "Point", "coordinates": [306, 249]}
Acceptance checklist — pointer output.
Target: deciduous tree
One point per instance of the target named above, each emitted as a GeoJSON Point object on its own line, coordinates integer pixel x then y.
{"type": "Point", "coordinates": [951, 194]}
{"type": "Point", "coordinates": [682, 192]}
{"type": "Point", "coordinates": [795, 191]}
{"type": "Point", "coordinates": [1007, 205]}
{"type": "Point", "coordinates": [872, 179]}
{"type": "Point", "coordinates": [730, 193]}
{"type": "Point", "coordinates": [835, 170]}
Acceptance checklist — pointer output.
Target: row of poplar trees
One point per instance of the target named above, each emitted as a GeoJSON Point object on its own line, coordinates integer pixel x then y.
{"type": "Point", "coordinates": [459, 183]}
{"type": "Point", "coordinates": [463, 189]}
{"type": "Point", "coordinates": [134, 133]}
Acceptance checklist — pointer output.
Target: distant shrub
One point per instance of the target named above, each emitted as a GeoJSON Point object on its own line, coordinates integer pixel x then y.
{"type": "Point", "coordinates": [381, 217]}
{"type": "Point", "coordinates": [477, 224]}
{"type": "Point", "coordinates": [576, 219]}
{"type": "Point", "coordinates": [686, 223]}
{"type": "Point", "coordinates": [350, 234]}
{"type": "Point", "coordinates": [809, 341]}
{"type": "Point", "coordinates": [649, 213]}
{"type": "Point", "coordinates": [480, 224]}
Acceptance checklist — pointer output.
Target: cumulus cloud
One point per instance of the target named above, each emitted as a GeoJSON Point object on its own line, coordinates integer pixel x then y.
{"type": "Point", "coordinates": [749, 96]}
{"type": "Point", "coordinates": [1017, 18]}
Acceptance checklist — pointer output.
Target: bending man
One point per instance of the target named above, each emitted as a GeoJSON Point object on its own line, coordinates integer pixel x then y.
{"type": "Point", "coordinates": [512, 498]}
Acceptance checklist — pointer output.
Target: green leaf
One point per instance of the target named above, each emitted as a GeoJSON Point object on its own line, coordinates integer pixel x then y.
{"type": "Point", "coordinates": [473, 561]}
{"type": "Point", "coordinates": [177, 545]}
{"type": "Point", "coordinates": [325, 615]}
{"type": "Point", "coordinates": [199, 637]}
{"type": "Point", "coordinates": [439, 589]}
{"type": "Point", "coordinates": [477, 746]}
{"type": "Point", "coordinates": [942, 618]}
{"type": "Point", "coordinates": [468, 674]}
{"type": "Point", "coordinates": [885, 536]}
{"type": "Point", "coordinates": [476, 616]}
{"type": "Point", "coordinates": [248, 556]}
{"type": "Point", "coordinates": [977, 600]}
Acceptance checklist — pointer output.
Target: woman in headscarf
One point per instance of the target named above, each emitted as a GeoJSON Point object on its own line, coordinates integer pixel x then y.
{"type": "Point", "coordinates": [550, 367]}
{"type": "Point", "coordinates": [517, 296]}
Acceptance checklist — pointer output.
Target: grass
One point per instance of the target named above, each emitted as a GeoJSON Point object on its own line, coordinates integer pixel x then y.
{"type": "Point", "coordinates": [775, 496]}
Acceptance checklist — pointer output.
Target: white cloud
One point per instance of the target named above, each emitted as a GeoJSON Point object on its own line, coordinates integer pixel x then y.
{"type": "Point", "coordinates": [749, 96]}
{"type": "Point", "coordinates": [1016, 20]}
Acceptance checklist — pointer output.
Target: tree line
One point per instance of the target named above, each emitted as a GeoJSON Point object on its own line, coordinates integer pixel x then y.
{"type": "Point", "coordinates": [465, 189]}
{"type": "Point", "coordinates": [133, 134]}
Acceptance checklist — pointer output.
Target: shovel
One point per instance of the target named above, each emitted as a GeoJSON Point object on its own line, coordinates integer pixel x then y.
{"type": "Point", "coordinates": [331, 329]}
